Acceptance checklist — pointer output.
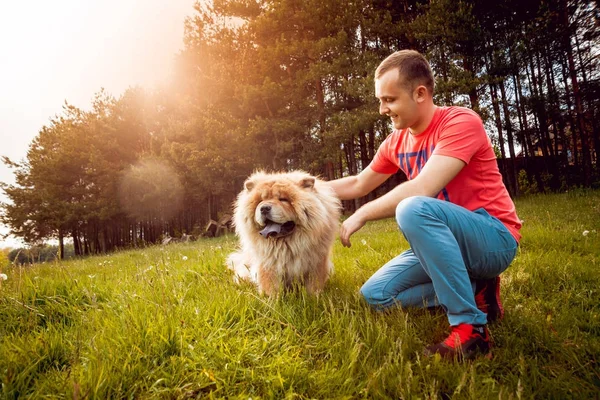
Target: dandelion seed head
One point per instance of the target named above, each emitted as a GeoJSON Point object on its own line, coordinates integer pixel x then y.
{"type": "Point", "coordinates": [3, 277]}
{"type": "Point", "coordinates": [585, 233]}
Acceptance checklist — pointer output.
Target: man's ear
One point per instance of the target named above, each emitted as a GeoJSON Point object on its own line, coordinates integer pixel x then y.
{"type": "Point", "coordinates": [420, 94]}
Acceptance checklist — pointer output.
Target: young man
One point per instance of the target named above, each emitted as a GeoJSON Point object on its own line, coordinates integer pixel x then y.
{"type": "Point", "coordinates": [454, 210]}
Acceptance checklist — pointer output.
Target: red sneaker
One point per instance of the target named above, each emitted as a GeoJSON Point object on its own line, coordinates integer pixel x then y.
{"type": "Point", "coordinates": [487, 298]}
{"type": "Point", "coordinates": [465, 342]}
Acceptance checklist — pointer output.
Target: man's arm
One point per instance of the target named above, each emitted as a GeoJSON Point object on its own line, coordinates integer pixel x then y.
{"type": "Point", "coordinates": [436, 174]}
{"type": "Point", "coordinates": [353, 187]}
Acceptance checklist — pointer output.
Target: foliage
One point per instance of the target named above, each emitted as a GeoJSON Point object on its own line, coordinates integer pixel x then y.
{"type": "Point", "coordinates": [37, 254]}
{"type": "Point", "coordinates": [527, 186]}
{"type": "Point", "coordinates": [169, 322]}
{"type": "Point", "coordinates": [285, 84]}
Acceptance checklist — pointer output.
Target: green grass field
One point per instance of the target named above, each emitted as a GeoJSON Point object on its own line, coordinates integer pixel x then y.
{"type": "Point", "coordinates": [168, 322]}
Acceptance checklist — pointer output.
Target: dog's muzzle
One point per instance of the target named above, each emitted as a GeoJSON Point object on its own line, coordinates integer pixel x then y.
{"type": "Point", "coordinates": [275, 230]}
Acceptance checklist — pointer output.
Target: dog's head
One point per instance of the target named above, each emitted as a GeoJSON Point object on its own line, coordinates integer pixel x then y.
{"type": "Point", "coordinates": [277, 205]}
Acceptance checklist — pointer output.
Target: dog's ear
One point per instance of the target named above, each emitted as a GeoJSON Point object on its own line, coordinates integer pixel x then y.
{"type": "Point", "coordinates": [308, 182]}
{"type": "Point", "coordinates": [249, 184]}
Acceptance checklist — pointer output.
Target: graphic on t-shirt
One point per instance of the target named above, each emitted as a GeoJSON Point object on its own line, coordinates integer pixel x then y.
{"type": "Point", "coordinates": [413, 162]}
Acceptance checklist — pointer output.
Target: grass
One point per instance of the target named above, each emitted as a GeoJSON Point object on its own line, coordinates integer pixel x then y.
{"type": "Point", "coordinates": [167, 322]}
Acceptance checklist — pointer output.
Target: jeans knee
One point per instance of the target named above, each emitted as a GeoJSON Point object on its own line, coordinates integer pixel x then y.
{"type": "Point", "coordinates": [409, 212]}
{"type": "Point", "coordinates": [369, 293]}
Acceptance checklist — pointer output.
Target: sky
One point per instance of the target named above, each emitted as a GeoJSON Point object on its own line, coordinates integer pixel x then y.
{"type": "Point", "coordinates": [52, 51]}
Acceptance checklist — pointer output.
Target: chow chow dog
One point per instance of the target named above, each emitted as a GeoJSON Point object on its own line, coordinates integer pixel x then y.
{"type": "Point", "coordinates": [286, 224]}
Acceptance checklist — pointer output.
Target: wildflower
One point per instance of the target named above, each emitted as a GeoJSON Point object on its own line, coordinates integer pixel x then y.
{"type": "Point", "coordinates": [149, 268]}
{"type": "Point", "coordinates": [585, 233]}
{"type": "Point", "coordinates": [3, 277]}
{"type": "Point", "coordinates": [184, 258]}
{"type": "Point", "coordinates": [364, 242]}
{"type": "Point", "coordinates": [91, 276]}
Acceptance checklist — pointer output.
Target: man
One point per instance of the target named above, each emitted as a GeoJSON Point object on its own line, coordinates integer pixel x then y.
{"type": "Point", "coordinates": [454, 210]}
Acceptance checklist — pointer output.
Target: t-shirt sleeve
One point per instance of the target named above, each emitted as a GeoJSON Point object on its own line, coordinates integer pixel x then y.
{"type": "Point", "coordinates": [383, 162]}
{"type": "Point", "coordinates": [462, 137]}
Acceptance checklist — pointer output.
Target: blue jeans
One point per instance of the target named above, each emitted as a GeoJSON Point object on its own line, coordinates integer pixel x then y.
{"type": "Point", "coordinates": [450, 248]}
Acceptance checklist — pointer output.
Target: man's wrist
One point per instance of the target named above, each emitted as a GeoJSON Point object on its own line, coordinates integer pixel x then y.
{"type": "Point", "coordinates": [363, 213]}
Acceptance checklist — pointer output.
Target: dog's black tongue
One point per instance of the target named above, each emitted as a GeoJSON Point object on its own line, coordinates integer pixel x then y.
{"type": "Point", "coordinates": [271, 229]}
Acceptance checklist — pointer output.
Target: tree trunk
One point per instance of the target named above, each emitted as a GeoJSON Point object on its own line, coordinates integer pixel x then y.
{"type": "Point", "coordinates": [535, 128]}
{"type": "Point", "coordinates": [86, 245]}
{"type": "Point", "coordinates": [574, 137]}
{"type": "Point", "coordinates": [555, 117]}
{"type": "Point", "coordinates": [543, 114]}
{"type": "Point", "coordinates": [371, 143]}
{"type": "Point", "coordinates": [209, 206]}
{"type": "Point", "coordinates": [364, 157]}
{"type": "Point", "coordinates": [561, 167]}
{"type": "Point", "coordinates": [527, 134]}
{"type": "Point", "coordinates": [512, 176]}
{"type": "Point", "coordinates": [473, 96]}
{"type": "Point", "coordinates": [444, 68]}
{"type": "Point", "coordinates": [590, 106]}
{"type": "Point", "coordinates": [351, 161]}
{"type": "Point", "coordinates": [521, 133]}
{"type": "Point", "coordinates": [498, 119]}
{"type": "Point", "coordinates": [320, 105]}
{"type": "Point", "coordinates": [76, 244]}
{"type": "Point", "coordinates": [61, 244]}
{"type": "Point", "coordinates": [577, 96]}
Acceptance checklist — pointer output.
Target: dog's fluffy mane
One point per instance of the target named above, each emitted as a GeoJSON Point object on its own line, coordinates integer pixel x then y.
{"type": "Point", "coordinates": [315, 210]}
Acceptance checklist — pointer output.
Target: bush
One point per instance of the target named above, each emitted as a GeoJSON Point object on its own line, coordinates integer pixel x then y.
{"type": "Point", "coordinates": [38, 254]}
{"type": "Point", "coordinates": [525, 186]}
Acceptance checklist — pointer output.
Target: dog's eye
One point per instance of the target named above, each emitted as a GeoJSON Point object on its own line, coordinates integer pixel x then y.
{"type": "Point", "coordinates": [284, 200]}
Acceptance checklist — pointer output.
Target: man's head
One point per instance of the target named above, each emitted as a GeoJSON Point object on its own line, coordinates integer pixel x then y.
{"type": "Point", "coordinates": [413, 69]}
{"type": "Point", "coordinates": [404, 86]}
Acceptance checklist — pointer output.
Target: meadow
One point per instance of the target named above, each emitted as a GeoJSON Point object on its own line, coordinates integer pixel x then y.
{"type": "Point", "coordinates": [168, 322]}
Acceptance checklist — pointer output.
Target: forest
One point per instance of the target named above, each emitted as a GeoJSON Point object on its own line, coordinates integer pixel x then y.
{"type": "Point", "coordinates": [288, 84]}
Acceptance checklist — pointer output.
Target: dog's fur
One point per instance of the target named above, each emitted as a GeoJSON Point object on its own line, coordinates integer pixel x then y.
{"type": "Point", "coordinates": [286, 223]}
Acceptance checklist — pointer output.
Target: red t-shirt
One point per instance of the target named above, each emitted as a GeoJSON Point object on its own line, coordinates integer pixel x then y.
{"type": "Point", "coordinates": [456, 132]}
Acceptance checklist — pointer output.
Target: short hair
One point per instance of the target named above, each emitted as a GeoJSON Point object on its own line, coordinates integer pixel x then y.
{"type": "Point", "coordinates": [413, 69]}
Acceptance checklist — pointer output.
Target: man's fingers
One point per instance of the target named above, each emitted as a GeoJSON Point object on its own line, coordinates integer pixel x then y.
{"type": "Point", "coordinates": [345, 237]}
{"type": "Point", "coordinates": [346, 243]}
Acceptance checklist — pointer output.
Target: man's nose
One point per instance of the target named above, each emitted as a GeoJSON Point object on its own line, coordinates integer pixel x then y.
{"type": "Point", "coordinates": [383, 109]}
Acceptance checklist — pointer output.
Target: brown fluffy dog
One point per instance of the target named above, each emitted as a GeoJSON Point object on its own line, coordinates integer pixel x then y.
{"type": "Point", "coordinates": [286, 223]}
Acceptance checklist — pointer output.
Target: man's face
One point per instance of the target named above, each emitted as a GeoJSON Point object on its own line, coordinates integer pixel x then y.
{"type": "Point", "coordinates": [396, 100]}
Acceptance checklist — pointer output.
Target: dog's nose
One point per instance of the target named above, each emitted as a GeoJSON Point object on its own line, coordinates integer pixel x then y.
{"type": "Point", "coordinates": [265, 209]}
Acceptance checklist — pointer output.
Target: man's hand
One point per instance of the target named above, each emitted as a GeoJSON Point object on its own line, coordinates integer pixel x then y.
{"type": "Point", "coordinates": [349, 226]}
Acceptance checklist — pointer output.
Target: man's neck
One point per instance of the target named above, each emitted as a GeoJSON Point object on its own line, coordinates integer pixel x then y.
{"type": "Point", "coordinates": [422, 125]}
